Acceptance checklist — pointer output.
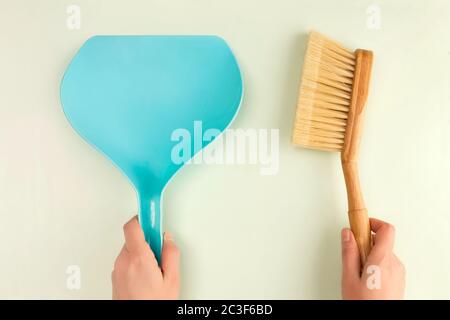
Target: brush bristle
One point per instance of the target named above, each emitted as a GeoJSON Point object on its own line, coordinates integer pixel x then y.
{"type": "Point", "coordinates": [325, 94]}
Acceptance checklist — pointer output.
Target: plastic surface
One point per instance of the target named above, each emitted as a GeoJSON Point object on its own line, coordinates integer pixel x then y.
{"type": "Point", "coordinates": [128, 95]}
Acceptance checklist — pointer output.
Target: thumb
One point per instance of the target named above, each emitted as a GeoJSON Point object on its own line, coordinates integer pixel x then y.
{"type": "Point", "coordinates": [351, 266]}
{"type": "Point", "coordinates": [170, 260]}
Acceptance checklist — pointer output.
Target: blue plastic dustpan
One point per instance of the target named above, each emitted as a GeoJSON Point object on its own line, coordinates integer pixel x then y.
{"type": "Point", "coordinates": [127, 96]}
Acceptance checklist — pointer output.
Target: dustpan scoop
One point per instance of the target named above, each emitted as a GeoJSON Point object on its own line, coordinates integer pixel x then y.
{"type": "Point", "coordinates": [128, 95]}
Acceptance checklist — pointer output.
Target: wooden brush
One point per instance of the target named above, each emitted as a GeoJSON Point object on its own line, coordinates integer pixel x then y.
{"type": "Point", "coordinates": [330, 110]}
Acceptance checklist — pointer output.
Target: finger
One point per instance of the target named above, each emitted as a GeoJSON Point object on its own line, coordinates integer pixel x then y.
{"type": "Point", "coordinates": [351, 266]}
{"type": "Point", "coordinates": [134, 237]}
{"type": "Point", "coordinates": [170, 260]}
{"type": "Point", "coordinates": [400, 263]}
{"type": "Point", "coordinates": [120, 263]}
{"type": "Point", "coordinates": [376, 224]}
{"type": "Point", "coordinates": [384, 236]}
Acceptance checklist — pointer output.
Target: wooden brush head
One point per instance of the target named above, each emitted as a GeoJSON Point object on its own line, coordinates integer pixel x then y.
{"type": "Point", "coordinates": [333, 88]}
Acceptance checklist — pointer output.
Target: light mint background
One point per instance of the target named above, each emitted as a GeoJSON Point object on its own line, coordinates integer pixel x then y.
{"type": "Point", "coordinates": [242, 235]}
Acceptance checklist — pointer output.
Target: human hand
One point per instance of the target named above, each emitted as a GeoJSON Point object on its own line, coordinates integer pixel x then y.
{"type": "Point", "coordinates": [136, 274]}
{"type": "Point", "coordinates": [383, 276]}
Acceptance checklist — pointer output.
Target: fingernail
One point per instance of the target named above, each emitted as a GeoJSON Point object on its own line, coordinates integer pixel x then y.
{"type": "Point", "coordinates": [345, 235]}
{"type": "Point", "coordinates": [168, 236]}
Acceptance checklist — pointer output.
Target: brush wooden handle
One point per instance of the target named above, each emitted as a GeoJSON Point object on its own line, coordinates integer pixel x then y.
{"type": "Point", "coordinates": [357, 212]}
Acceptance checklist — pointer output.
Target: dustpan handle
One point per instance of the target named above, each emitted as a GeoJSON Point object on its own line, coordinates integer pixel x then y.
{"type": "Point", "coordinates": [150, 220]}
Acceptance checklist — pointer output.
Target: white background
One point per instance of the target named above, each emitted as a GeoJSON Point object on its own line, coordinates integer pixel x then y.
{"type": "Point", "coordinates": [242, 235]}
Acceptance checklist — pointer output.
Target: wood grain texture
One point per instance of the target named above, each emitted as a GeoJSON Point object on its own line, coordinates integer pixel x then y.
{"type": "Point", "coordinates": [357, 212]}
